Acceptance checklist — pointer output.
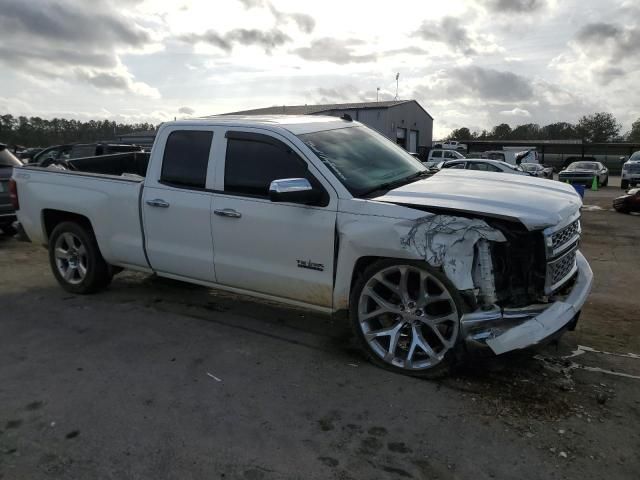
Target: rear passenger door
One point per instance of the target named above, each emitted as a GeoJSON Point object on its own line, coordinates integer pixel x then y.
{"type": "Point", "coordinates": [176, 205]}
{"type": "Point", "coordinates": [279, 249]}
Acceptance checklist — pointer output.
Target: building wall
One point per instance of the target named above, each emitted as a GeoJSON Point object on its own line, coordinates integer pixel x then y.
{"type": "Point", "coordinates": [410, 117]}
{"type": "Point", "coordinates": [387, 120]}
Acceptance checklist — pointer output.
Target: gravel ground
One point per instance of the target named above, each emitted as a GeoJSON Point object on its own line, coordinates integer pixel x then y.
{"type": "Point", "coordinates": [159, 379]}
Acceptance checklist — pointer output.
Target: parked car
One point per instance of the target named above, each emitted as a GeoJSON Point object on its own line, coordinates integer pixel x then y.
{"type": "Point", "coordinates": [437, 156]}
{"type": "Point", "coordinates": [27, 154]}
{"type": "Point", "coordinates": [8, 162]}
{"type": "Point", "coordinates": [452, 145]}
{"type": "Point", "coordinates": [329, 215]}
{"type": "Point", "coordinates": [631, 171]}
{"type": "Point", "coordinates": [512, 157]}
{"type": "Point", "coordinates": [583, 173]}
{"type": "Point", "coordinates": [573, 159]}
{"type": "Point", "coordinates": [537, 170]}
{"type": "Point", "coordinates": [629, 202]}
{"type": "Point", "coordinates": [484, 165]}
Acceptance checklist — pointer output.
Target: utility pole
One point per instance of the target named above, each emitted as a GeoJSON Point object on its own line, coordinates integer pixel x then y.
{"type": "Point", "coordinates": [377, 94]}
{"type": "Point", "coordinates": [397, 83]}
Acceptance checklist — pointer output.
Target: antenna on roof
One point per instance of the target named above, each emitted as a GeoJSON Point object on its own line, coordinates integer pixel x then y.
{"type": "Point", "coordinates": [397, 82]}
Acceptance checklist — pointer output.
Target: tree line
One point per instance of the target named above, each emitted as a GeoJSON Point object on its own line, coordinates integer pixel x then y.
{"type": "Point", "coordinates": [40, 132]}
{"type": "Point", "coordinates": [598, 127]}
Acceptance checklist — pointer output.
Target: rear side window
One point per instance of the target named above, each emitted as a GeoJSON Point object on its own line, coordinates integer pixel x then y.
{"type": "Point", "coordinates": [186, 157]}
{"type": "Point", "coordinates": [436, 155]}
{"type": "Point", "coordinates": [252, 164]}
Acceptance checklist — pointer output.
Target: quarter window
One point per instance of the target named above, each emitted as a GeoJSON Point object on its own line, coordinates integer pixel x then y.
{"type": "Point", "coordinates": [186, 158]}
{"type": "Point", "coordinates": [253, 161]}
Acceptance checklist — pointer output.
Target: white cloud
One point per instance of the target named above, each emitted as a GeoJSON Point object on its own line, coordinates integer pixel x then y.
{"type": "Point", "coordinates": [516, 112]}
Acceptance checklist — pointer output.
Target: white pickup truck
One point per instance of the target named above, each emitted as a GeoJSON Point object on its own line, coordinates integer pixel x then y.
{"type": "Point", "coordinates": [326, 214]}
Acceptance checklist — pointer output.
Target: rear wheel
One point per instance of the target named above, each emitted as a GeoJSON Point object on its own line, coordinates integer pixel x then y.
{"type": "Point", "coordinates": [405, 317]}
{"type": "Point", "coordinates": [76, 260]}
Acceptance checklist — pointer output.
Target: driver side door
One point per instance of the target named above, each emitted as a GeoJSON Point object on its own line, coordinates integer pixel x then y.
{"type": "Point", "coordinates": [272, 248]}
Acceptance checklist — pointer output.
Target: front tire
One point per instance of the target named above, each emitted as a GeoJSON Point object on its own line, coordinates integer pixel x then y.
{"type": "Point", "coordinates": [405, 316]}
{"type": "Point", "coordinates": [76, 260]}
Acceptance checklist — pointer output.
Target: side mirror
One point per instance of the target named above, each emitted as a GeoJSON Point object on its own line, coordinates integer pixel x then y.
{"type": "Point", "coordinates": [294, 190]}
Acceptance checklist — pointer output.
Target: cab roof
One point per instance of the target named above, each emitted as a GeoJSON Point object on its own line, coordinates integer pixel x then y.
{"type": "Point", "coordinates": [296, 124]}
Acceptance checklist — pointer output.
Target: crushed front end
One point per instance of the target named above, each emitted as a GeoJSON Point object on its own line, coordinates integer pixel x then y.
{"type": "Point", "coordinates": [528, 288]}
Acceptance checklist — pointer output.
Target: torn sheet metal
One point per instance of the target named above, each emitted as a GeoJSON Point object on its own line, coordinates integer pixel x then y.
{"type": "Point", "coordinates": [448, 242]}
{"type": "Point", "coordinates": [554, 318]}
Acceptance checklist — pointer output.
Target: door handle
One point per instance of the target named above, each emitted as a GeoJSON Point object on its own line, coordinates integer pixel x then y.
{"type": "Point", "coordinates": [228, 212]}
{"type": "Point", "coordinates": [157, 203]}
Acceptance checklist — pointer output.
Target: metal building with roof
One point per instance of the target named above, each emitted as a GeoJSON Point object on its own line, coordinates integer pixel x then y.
{"type": "Point", "coordinates": [405, 122]}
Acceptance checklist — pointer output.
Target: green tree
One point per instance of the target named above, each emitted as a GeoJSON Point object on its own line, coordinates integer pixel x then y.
{"type": "Point", "coordinates": [559, 131]}
{"type": "Point", "coordinates": [460, 134]}
{"type": "Point", "coordinates": [634, 134]}
{"type": "Point", "coordinates": [599, 127]}
{"type": "Point", "coordinates": [529, 131]}
{"type": "Point", "coordinates": [501, 132]}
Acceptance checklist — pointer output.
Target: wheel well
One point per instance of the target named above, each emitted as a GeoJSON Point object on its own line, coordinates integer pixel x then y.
{"type": "Point", "coordinates": [52, 218]}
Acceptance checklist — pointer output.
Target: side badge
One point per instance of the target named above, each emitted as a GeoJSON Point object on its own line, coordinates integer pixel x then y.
{"type": "Point", "coordinates": [310, 265]}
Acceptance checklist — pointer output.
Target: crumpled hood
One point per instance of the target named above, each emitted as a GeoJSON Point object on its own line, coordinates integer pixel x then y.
{"type": "Point", "coordinates": [535, 202]}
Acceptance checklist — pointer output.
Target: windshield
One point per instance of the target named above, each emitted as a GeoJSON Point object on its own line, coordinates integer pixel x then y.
{"type": "Point", "coordinates": [635, 156]}
{"type": "Point", "coordinates": [583, 166]}
{"type": "Point", "coordinates": [362, 159]}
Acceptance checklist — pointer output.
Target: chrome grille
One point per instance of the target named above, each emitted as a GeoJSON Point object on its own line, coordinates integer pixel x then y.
{"type": "Point", "coordinates": [634, 168]}
{"type": "Point", "coordinates": [561, 246]}
{"type": "Point", "coordinates": [560, 269]}
{"type": "Point", "coordinates": [566, 235]}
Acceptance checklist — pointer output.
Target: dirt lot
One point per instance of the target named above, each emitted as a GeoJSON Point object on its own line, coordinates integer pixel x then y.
{"type": "Point", "coordinates": [158, 379]}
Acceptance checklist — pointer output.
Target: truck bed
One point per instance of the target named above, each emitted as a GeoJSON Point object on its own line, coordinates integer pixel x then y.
{"type": "Point", "coordinates": [130, 163]}
{"type": "Point", "coordinates": [105, 190]}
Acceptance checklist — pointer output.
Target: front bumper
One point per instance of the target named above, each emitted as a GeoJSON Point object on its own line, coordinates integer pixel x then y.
{"type": "Point", "coordinates": [504, 330]}
{"type": "Point", "coordinates": [586, 179]}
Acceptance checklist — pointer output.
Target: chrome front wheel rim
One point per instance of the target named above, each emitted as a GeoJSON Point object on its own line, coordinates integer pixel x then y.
{"type": "Point", "coordinates": [71, 258]}
{"type": "Point", "coordinates": [408, 317]}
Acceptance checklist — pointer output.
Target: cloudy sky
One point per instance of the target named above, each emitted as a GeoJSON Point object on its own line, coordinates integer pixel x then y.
{"type": "Point", "coordinates": [472, 63]}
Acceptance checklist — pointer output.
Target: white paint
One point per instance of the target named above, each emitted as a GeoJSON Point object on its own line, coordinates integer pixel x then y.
{"type": "Point", "coordinates": [591, 208]}
{"type": "Point", "coordinates": [214, 377]}
{"type": "Point", "coordinates": [536, 202]}
{"type": "Point", "coordinates": [584, 349]}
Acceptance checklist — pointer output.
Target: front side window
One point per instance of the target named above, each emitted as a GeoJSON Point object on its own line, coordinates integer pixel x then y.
{"type": "Point", "coordinates": [253, 161]}
{"type": "Point", "coordinates": [363, 160]}
{"type": "Point", "coordinates": [186, 158]}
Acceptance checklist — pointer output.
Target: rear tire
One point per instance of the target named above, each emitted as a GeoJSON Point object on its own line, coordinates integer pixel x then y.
{"type": "Point", "coordinates": [76, 261]}
{"type": "Point", "coordinates": [405, 317]}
